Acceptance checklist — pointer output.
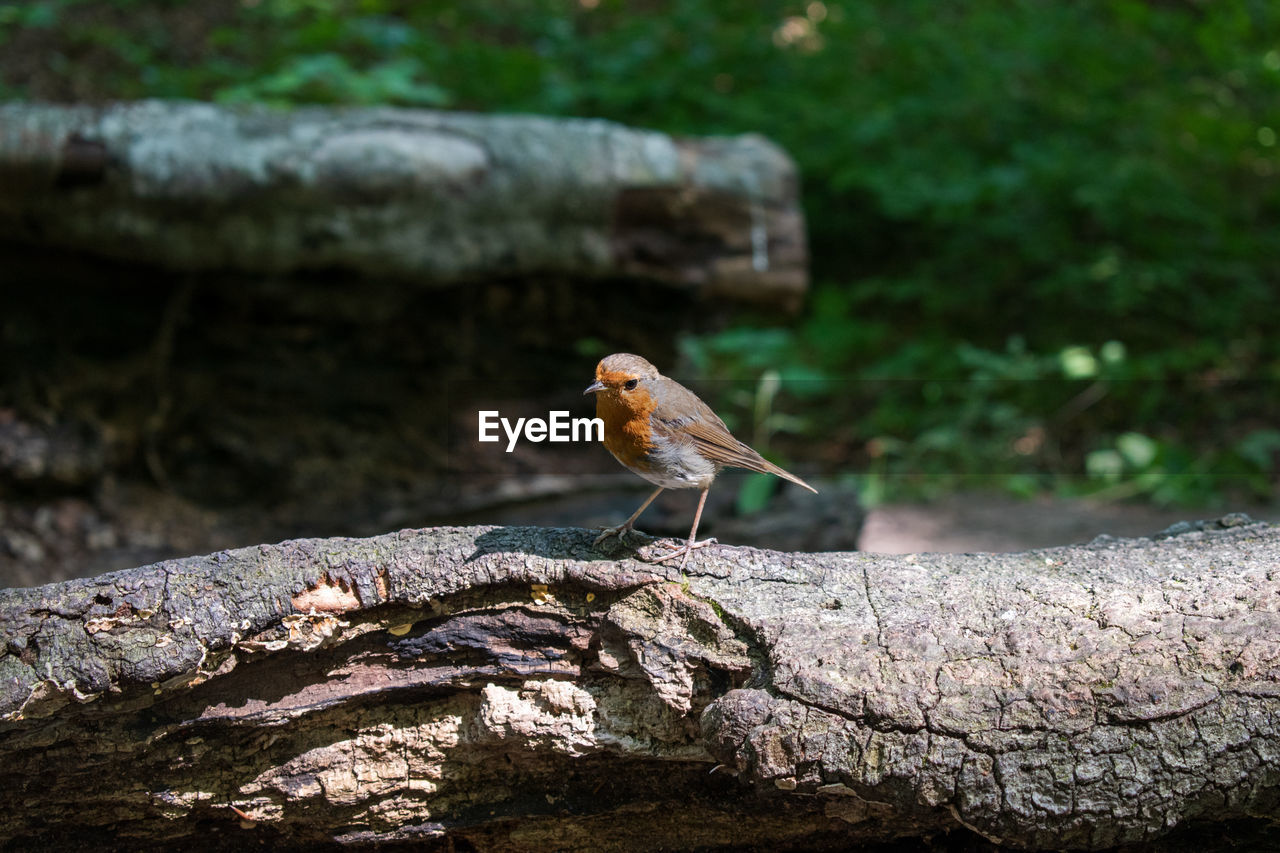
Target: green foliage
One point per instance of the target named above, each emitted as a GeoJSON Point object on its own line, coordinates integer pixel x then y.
{"type": "Point", "coordinates": [329, 78]}
{"type": "Point", "coordinates": [1025, 422]}
{"type": "Point", "coordinates": [755, 493]}
{"type": "Point", "coordinates": [1046, 235]}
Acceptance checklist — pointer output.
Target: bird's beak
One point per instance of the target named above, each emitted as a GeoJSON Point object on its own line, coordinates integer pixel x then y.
{"type": "Point", "coordinates": [593, 388]}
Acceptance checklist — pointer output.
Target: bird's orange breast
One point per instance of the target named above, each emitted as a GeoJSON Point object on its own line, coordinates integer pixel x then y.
{"type": "Point", "coordinates": [627, 431]}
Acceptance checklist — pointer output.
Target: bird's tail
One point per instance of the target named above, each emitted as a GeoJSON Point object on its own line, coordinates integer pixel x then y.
{"type": "Point", "coordinates": [770, 468]}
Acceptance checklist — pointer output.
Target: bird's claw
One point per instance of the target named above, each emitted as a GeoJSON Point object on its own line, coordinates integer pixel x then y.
{"type": "Point", "coordinates": [711, 540]}
{"type": "Point", "coordinates": [619, 530]}
{"type": "Point", "coordinates": [683, 550]}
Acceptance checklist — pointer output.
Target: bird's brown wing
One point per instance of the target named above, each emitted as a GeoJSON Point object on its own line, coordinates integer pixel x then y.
{"type": "Point", "coordinates": [703, 427]}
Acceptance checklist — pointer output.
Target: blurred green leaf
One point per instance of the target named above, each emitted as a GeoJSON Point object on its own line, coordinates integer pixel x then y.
{"type": "Point", "coordinates": [1078, 363]}
{"type": "Point", "coordinates": [1261, 448]}
{"type": "Point", "coordinates": [755, 493]}
{"type": "Point", "coordinates": [1138, 450]}
{"type": "Point", "coordinates": [1106, 464]}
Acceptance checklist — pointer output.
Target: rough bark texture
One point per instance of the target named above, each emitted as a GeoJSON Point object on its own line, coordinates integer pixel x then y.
{"type": "Point", "coordinates": [512, 688]}
{"type": "Point", "coordinates": [436, 197]}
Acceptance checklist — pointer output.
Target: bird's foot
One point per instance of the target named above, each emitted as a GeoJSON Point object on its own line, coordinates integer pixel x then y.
{"type": "Point", "coordinates": [618, 530]}
{"type": "Point", "coordinates": [683, 551]}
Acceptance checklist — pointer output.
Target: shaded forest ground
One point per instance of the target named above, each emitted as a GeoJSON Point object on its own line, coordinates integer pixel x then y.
{"type": "Point", "coordinates": [996, 522]}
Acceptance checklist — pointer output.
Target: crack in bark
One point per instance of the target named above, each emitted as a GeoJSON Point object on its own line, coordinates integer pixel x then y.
{"type": "Point", "coordinates": [866, 586]}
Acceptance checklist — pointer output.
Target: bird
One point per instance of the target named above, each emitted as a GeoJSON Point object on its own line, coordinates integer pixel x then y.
{"type": "Point", "coordinates": [661, 430]}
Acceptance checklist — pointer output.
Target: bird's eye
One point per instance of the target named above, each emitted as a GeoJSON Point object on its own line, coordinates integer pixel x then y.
{"type": "Point", "coordinates": [631, 384]}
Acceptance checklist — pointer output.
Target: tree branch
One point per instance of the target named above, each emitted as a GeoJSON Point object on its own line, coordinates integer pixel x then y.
{"type": "Point", "coordinates": [513, 688]}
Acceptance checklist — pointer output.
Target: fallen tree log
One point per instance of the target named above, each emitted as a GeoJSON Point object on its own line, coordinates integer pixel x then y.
{"type": "Point", "coordinates": [434, 197]}
{"type": "Point", "coordinates": [513, 689]}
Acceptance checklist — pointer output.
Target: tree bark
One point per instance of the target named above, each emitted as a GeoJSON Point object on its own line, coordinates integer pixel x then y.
{"type": "Point", "coordinates": [430, 196]}
{"type": "Point", "coordinates": [515, 689]}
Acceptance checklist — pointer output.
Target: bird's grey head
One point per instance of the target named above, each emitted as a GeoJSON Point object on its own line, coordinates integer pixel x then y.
{"type": "Point", "coordinates": [626, 364]}
{"type": "Point", "coordinates": [622, 371]}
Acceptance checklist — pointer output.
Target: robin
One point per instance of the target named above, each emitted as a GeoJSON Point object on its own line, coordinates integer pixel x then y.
{"type": "Point", "coordinates": [659, 429]}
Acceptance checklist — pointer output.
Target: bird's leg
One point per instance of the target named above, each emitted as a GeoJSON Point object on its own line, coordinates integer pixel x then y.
{"type": "Point", "coordinates": [687, 548]}
{"type": "Point", "coordinates": [622, 529]}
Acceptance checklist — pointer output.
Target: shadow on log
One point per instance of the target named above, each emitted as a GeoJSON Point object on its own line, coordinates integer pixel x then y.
{"type": "Point", "coordinates": [512, 689]}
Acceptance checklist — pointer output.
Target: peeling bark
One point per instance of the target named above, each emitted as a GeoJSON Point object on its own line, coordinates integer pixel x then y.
{"type": "Point", "coordinates": [512, 689]}
{"type": "Point", "coordinates": [429, 196]}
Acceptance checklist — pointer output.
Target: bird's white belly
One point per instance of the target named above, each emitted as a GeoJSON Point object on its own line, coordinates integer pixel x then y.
{"type": "Point", "coordinates": [679, 467]}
